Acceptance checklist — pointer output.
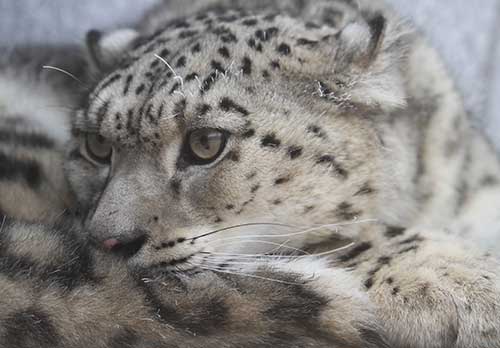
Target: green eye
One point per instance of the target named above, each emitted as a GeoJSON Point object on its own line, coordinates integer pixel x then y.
{"type": "Point", "coordinates": [205, 145]}
{"type": "Point", "coordinates": [98, 149]}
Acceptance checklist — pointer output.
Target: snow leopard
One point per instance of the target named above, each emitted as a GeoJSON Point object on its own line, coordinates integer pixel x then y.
{"type": "Point", "coordinates": [58, 290]}
{"type": "Point", "coordinates": [285, 173]}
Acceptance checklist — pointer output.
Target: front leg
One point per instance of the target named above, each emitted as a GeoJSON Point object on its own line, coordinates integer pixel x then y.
{"type": "Point", "coordinates": [431, 289]}
{"type": "Point", "coordinates": [58, 292]}
{"type": "Point", "coordinates": [281, 303]}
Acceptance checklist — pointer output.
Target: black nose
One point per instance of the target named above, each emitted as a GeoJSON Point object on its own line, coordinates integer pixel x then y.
{"type": "Point", "coordinates": [126, 247]}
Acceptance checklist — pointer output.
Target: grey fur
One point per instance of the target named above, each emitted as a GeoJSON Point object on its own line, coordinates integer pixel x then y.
{"type": "Point", "coordinates": [335, 120]}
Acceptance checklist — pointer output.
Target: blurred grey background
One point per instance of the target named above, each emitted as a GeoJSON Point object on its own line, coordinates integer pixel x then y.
{"type": "Point", "coordinates": [467, 33]}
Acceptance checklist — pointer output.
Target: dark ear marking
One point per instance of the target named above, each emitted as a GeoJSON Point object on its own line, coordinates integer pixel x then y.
{"type": "Point", "coordinates": [377, 25]}
{"type": "Point", "coordinates": [361, 40]}
{"type": "Point", "coordinates": [92, 40]}
{"type": "Point", "coordinates": [106, 49]}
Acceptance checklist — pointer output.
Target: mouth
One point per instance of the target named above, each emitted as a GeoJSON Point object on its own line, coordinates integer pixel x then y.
{"type": "Point", "coordinates": [128, 250]}
{"type": "Point", "coordinates": [177, 265]}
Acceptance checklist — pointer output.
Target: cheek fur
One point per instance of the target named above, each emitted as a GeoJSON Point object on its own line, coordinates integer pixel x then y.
{"type": "Point", "coordinates": [86, 181]}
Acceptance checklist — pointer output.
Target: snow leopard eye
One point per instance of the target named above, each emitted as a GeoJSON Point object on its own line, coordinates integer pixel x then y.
{"type": "Point", "coordinates": [204, 145]}
{"type": "Point", "coordinates": [97, 149]}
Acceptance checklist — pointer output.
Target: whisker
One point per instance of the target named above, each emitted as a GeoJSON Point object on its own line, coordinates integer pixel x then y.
{"type": "Point", "coordinates": [222, 261]}
{"type": "Point", "coordinates": [63, 107]}
{"type": "Point", "coordinates": [329, 252]}
{"type": "Point", "coordinates": [279, 245]}
{"type": "Point", "coordinates": [284, 244]}
{"type": "Point", "coordinates": [49, 67]}
{"type": "Point", "coordinates": [292, 234]}
{"type": "Point", "coordinates": [249, 275]}
{"type": "Point", "coordinates": [176, 76]}
{"type": "Point", "coordinates": [238, 226]}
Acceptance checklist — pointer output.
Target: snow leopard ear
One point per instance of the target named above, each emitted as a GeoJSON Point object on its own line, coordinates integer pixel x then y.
{"type": "Point", "coordinates": [368, 62]}
{"type": "Point", "coordinates": [105, 50]}
{"type": "Point", "coordinates": [360, 41]}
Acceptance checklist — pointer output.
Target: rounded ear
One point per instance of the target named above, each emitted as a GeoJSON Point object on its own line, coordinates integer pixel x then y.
{"type": "Point", "coordinates": [360, 41]}
{"type": "Point", "coordinates": [368, 62]}
{"type": "Point", "coordinates": [107, 49]}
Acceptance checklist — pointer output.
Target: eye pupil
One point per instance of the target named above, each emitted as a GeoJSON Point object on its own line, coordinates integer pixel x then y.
{"type": "Point", "coordinates": [204, 142]}
{"type": "Point", "coordinates": [205, 145]}
{"type": "Point", "coordinates": [98, 149]}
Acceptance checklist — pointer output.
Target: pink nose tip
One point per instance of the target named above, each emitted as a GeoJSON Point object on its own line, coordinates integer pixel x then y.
{"type": "Point", "coordinates": [112, 243]}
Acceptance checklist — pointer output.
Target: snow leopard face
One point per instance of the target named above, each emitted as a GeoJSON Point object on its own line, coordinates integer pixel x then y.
{"type": "Point", "coordinates": [229, 134]}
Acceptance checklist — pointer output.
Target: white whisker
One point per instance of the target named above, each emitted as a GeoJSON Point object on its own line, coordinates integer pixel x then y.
{"type": "Point", "coordinates": [240, 225]}
{"type": "Point", "coordinates": [223, 261]}
{"type": "Point", "coordinates": [329, 252]}
{"type": "Point", "coordinates": [62, 107]}
{"type": "Point", "coordinates": [279, 245]}
{"type": "Point", "coordinates": [49, 67]}
{"type": "Point", "coordinates": [248, 275]}
{"type": "Point", "coordinates": [176, 76]}
{"type": "Point", "coordinates": [292, 234]}
{"type": "Point", "coordinates": [200, 85]}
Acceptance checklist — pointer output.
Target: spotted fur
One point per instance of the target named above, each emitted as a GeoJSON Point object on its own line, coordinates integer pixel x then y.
{"type": "Point", "coordinates": [343, 126]}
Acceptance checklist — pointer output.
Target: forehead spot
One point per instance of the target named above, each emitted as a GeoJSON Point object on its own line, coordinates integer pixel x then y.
{"type": "Point", "coordinates": [191, 77]}
{"type": "Point", "coordinates": [164, 52]}
{"type": "Point", "coordinates": [224, 52]}
{"type": "Point", "coordinates": [270, 140]}
{"type": "Point", "coordinates": [140, 89]}
{"type": "Point", "coordinates": [112, 79]}
{"type": "Point", "coordinates": [254, 45]}
{"type": "Point", "coordinates": [181, 62]}
{"type": "Point", "coordinates": [208, 82]}
{"type": "Point", "coordinates": [270, 17]}
{"type": "Point", "coordinates": [225, 34]}
{"type": "Point", "coordinates": [255, 188]}
{"type": "Point", "coordinates": [228, 18]}
{"type": "Point", "coordinates": [154, 63]}
{"type": "Point", "coordinates": [249, 22]}
{"type": "Point", "coordinates": [275, 65]}
{"type": "Point", "coordinates": [330, 160]}
{"type": "Point", "coordinates": [175, 88]}
{"type": "Point", "coordinates": [266, 34]}
{"type": "Point", "coordinates": [306, 42]}
{"type": "Point", "coordinates": [102, 111]}
{"type": "Point", "coordinates": [187, 33]}
{"type": "Point", "coordinates": [282, 180]}
{"type": "Point", "coordinates": [128, 81]}
{"type": "Point", "coordinates": [181, 24]}
{"type": "Point", "coordinates": [202, 109]}
{"type": "Point", "coordinates": [316, 130]}
{"type": "Point", "coordinates": [216, 65]}
{"type": "Point", "coordinates": [284, 49]}
{"type": "Point", "coordinates": [246, 66]}
{"type": "Point", "coordinates": [312, 25]}
{"type": "Point", "coordinates": [249, 133]}
{"type": "Point", "coordinates": [196, 48]}
{"type": "Point", "coordinates": [227, 104]}
{"type": "Point", "coordinates": [294, 152]}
